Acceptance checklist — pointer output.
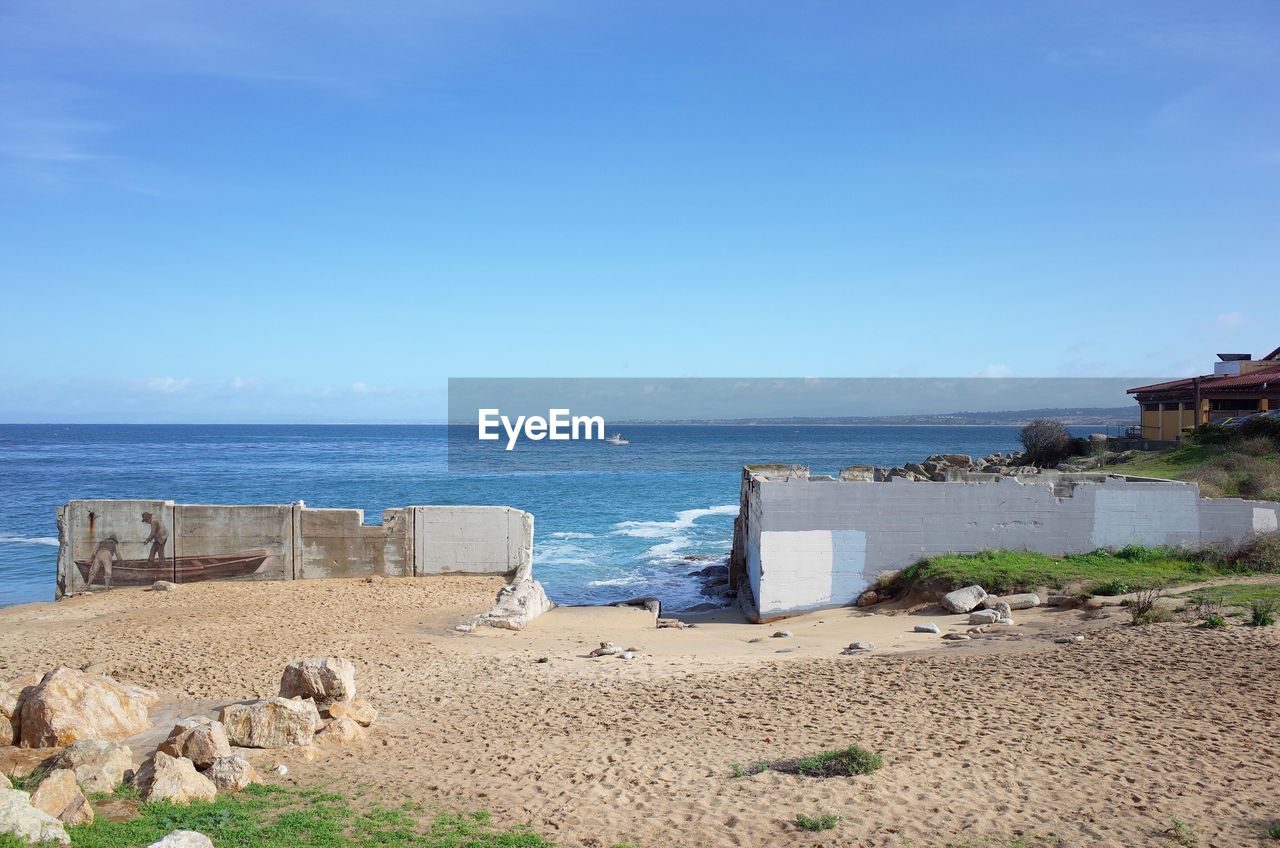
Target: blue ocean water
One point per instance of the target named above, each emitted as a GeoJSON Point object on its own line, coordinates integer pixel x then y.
{"type": "Point", "coordinates": [610, 522]}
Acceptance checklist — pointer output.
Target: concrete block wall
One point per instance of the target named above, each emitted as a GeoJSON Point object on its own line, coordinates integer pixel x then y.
{"type": "Point", "coordinates": [283, 542]}
{"type": "Point", "coordinates": [804, 543]}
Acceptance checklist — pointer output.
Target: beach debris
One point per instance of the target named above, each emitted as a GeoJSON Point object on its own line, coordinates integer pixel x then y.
{"type": "Point", "coordinates": [782, 634]}
{"type": "Point", "coordinates": [956, 637]}
{"type": "Point", "coordinates": [272, 723]}
{"type": "Point", "coordinates": [1004, 622]}
{"type": "Point", "coordinates": [868, 598]}
{"type": "Point", "coordinates": [1026, 600]}
{"type": "Point", "coordinates": [68, 705]}
{"type": "Point", "coordinates": [786, 650]}
{"type": "Point", "coordinates": [518, 603]}
{"type": "Point", "coordinates": [342, 731]}
{"type": "Point", "coordinates": [174, 779]}
{"type": "Point", "coordinates": [358, 710]}
{"type": "Point", "coordinates": [858, 648]}
{"type": "Point", "coordinates": [606, 649]}
{"type": "Point", "coordinates": [926, 628]}
{"type": "Point", "coordinates": [464, 628]}
{"type": "Point", "coordinates": [322, 679]}
{"type": "Point", "coordinates": [1068, 640]}
{"type": "Point", "coordinates": [61, 797]}
{"type": "Point", "coordinates": [199, 739]}
{"type": "Point", "coordinates": [232, 773]}
{"type": "Point", "coordinates": [627, 655]}
{"type": "Point", "coordinates": [674, 623]}
{"type": "Point", "coordinates": [183, 839]}
{"type": "Point", "coordinates": [98, 765]}
{"type": "Point", "coordinates": [983, 617]}
{"type": "Point", "coordinates": [281, 769]}
{"type": "Point", "coordinates": [20, 819]}
{"type": "Point", "coordinates": [963, 600]}
{"type": "Point", "coordinates": [163, 586]}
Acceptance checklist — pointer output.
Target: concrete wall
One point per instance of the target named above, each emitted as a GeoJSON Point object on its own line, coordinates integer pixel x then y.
{"type": "Point", "coordinates": [284, 542]}
{"type": "Point", "coordinates": [812, 542]}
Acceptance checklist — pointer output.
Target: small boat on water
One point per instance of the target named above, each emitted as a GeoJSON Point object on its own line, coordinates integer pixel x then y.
{"type": "Point", "coordinates": [616, 439]}
{"type": "Point", "coordinates": [138, 572]}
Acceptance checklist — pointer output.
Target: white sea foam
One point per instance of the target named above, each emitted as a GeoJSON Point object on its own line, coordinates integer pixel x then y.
{"type": "Point", "coordinates": [668, 551]}
{"type": "Point", "coordinates": [629, 580]}
{"type": "Point", "coordinates": [546, 553]}
{"type": "Point", "coordinates": [662, 529]}
{"type": "Point", "coordinates": [568, 535]}
{"type": "Point", "coordinates": [31, 540]}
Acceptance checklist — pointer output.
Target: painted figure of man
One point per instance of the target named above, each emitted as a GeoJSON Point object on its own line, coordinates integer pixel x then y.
{"type": "Point", "coordinates": [104, 555]}
{"type": "Point", "coordinates": [158, 538]}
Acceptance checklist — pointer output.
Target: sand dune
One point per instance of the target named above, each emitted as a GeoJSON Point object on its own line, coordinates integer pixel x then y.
{"type": "Point", "coordinates": [1099, 743]}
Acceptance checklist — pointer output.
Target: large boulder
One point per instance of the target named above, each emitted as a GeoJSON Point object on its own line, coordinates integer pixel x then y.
{"type": "Point", "coordinates": [359, 711]}
{"type": "Point", "coordinates": [1026, 600]}
{"type": "Point", "coordinates": [183, 839]}
{"type": "Point", "coordinates": [10, 695]}
{"type": "Point", "coordinates": [23, 762]}
{"type": "Point", "coordinates": [99, 766]}
{"type": "Point", "coordinates": [518, 603]}
{"type": "Point", "coordinates": [963, 600]}
{"type": "Point", "coordinates": [61, 797]}
{"type": "Point", "coordinates": [325, 680]}
{"type": "Point", "coordinates": [174, 779]}
{"type": "Point", "coordinates": [18, 818]}
{"type": "Point", "coordinates": [983, 617]}
{"type": "Point", "coordinates": [232, 773]}
{"type": "Point", "coordinates": [272, 723]}
{"type": "Point", "coordinates": [341, 731]}
{"type": "Point", "coordinates": [68, 705]}
{"type": "Point", "coordinates": [199, 739]}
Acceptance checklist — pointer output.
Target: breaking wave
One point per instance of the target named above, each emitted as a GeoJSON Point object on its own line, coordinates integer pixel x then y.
{"type": "Point", "coordinates": [31, 540]}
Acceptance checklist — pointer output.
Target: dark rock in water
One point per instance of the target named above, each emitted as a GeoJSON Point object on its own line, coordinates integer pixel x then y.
{"type": "Point", "coordinates": [703, 558]}
{"type": "Point", "coordinates": [712, 571]}
{"type": "Point", "coordinates": [653, 605]}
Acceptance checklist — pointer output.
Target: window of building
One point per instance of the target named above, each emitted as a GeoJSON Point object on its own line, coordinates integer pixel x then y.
{"type": "Point", "coordinates": [1233, 405]}
{"type": "Point", "coordinates": [1151, 407]}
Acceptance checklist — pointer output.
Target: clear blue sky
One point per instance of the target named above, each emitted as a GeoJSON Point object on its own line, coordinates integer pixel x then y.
{"type": "Point", "coordinates": [309, 210]}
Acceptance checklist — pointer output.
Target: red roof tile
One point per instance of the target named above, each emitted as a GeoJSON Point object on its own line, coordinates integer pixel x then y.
{"type": "Point", "coordinates": [1210, 382]}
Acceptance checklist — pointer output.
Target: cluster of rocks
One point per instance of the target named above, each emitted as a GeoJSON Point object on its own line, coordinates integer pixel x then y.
{"type": "Point", "coordinates": [76, 720]}
{"type": "Point", "coordinates": [608, 649]}
{"type": "Point", "coordinates": [988, 609]}
{"type": "Point", "coordinates": [935, 468]}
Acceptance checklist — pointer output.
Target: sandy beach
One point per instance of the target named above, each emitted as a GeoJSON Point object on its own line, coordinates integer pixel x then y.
{"type": "Point", "coordinates": [1102, 742]}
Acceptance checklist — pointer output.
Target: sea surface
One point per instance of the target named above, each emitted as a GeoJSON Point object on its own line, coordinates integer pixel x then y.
{"type": "Point", "coordinates": [611, 522]}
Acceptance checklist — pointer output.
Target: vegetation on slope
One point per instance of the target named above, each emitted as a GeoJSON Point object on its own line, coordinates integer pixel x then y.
{"type": "Point", "coordinates": [1239, 461]}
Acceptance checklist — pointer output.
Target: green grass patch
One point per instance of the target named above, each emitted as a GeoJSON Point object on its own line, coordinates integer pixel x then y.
{"type": "Point", "coordinates": [1242, 595]}
{"type": "Point", "coordinates": [1004, 572]}
{"type": "Point", "coordinates": [842, 762]}
{"type": "Point", "coordinates": [823, 821]}
{"type": "Point", "coordinates": [276, 817]}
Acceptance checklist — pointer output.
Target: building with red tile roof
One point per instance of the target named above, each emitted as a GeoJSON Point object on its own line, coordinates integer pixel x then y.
{"type": "Point", "coordinates": [1239, 385]}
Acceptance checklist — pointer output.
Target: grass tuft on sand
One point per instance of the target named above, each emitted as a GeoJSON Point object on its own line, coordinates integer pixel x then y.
{"type": "Point", "coordinates": [276, 817]}
{"type": "Point", "coordinates": [841, 762]}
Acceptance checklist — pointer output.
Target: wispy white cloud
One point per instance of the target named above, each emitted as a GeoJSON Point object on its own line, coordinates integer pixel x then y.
{"type": "Point", "coordinates": [166, 385]}
{"type": "Point", "coordinates": [1229, 321]}
{"type": "Point", "coordinates": [995, 371]}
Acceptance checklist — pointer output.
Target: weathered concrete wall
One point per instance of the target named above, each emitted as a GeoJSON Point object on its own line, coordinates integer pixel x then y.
{"type": "Point", "coordinates": [811, 542]}
{"type": "Point", "coordinates": [473, 540]}
{"type": "Point", "coordinates": [283, 542]}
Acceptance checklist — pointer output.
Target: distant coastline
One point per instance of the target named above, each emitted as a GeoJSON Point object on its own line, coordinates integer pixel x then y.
{"type": "Point", "coordinates": [1119, 416]}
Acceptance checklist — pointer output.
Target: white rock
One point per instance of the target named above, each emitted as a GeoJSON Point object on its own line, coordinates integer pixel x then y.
{"type": "Point", "coordinates": [858, 648]}
{"type": "Point", "coordinates": [1068, 640]}
{"type": "Point", "coordinates": [99, 766]}
{"type": "Point", "coordinates": [322, 679]}
{"type": "Point", "coordinates": [517, 604]}
{"type": "Point", "coordinates": [199, 739]}
{"type": "Point", "coordinates": [232, 773]}
{"type": "Point", "coordinates": [1026, 600]}
{"type": "Point", "coordinates": [163, 586]}
{"type": "Point", "coordinates": [926, 628]}
{"type": "Point", "coordinates": [175, 779]}
{"type": "Point", "coordinates": [963, 600]}
{"type": "Point", "coordinates": [271, 723]}
{"type": "Point", "coordinates": [983, 617]}
{"type": "Point", "coordinates": [183, 839]}
{"type": "Point", "coordinates": [69, 705]}
{"type": "Point", "coordinates": [627, 655]}
{"type": "Point", "coordinates": [61, 797]}
{"type": "Point", "coordinates": [18, 818]}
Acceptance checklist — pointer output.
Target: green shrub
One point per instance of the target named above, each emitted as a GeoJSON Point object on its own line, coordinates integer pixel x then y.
{"type": "Point", "coordinates": [1273, 832]}
{"type": "Point", "coordinates": [1183, 834]}
{"type": "Point", "coordinates": [1213, 621]}
{"type": "Point", "coordinates": [1111, 588]}
{"type": "Point", "coordinates": [825, 821]}
{"type": "Point", "coordinates": [1262, 613]}
{"type": "Point", "coordinates": [842, 762]}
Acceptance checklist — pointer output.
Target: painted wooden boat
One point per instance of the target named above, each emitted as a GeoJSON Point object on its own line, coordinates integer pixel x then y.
{"type": "Point", "coordinates": [136, 572]}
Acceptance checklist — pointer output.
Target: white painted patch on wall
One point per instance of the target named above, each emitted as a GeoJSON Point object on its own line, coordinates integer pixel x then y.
{"type": "Point", "coordinates": [1264, 520]}
{"type": "Point", "coordinates": [1143, 516]}
{"type": "Point", "coordinates": [797, 566]}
